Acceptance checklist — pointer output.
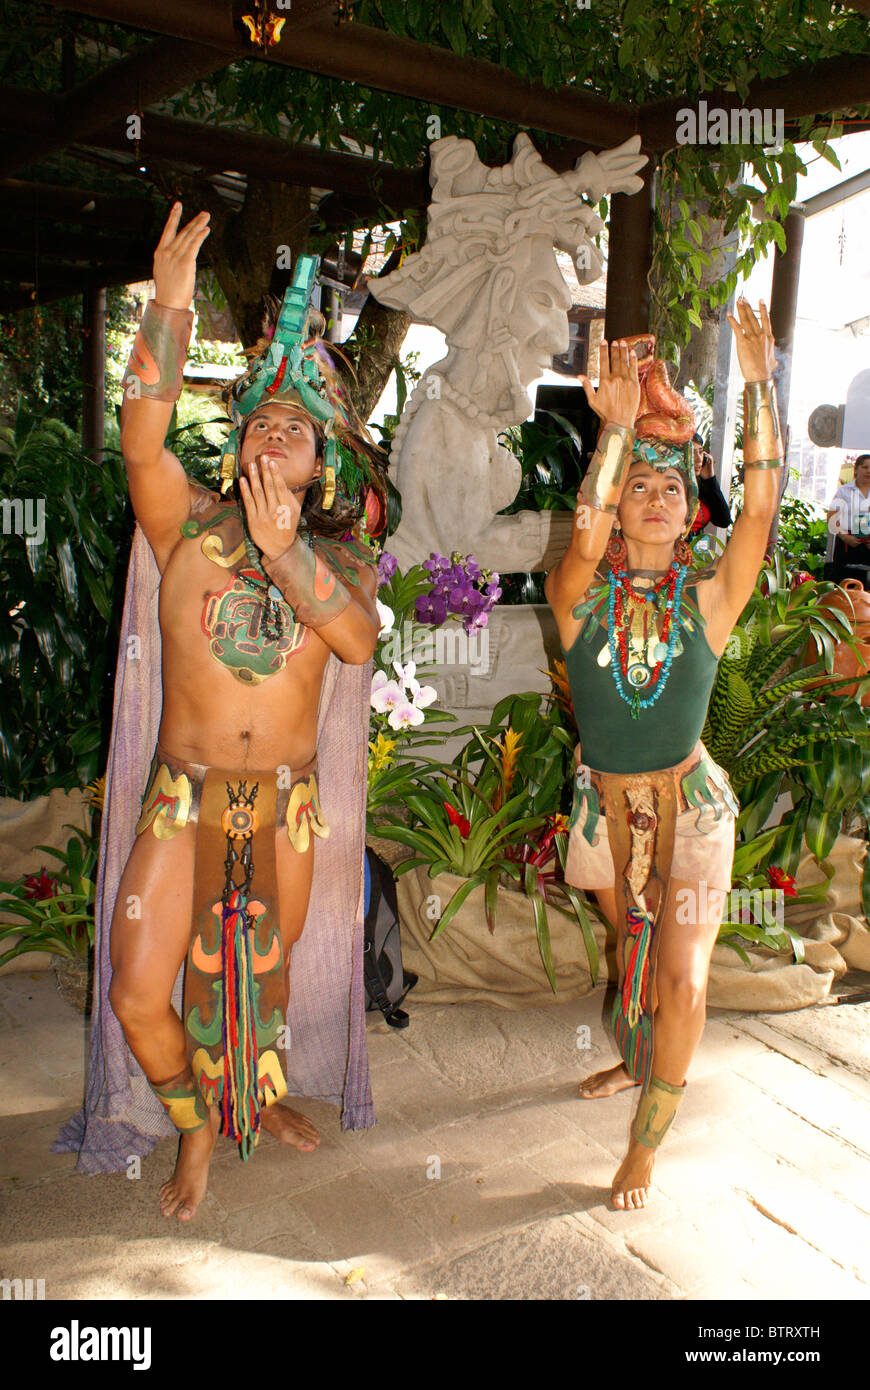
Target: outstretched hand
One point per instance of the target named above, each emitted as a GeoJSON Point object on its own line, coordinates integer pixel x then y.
{"type": "Point", "coordinates": [617, 399]}
{"type": "Point", "coordinates": [175, 259]}
{"type": "Point", "coordinates": [272, 510]}
{"type": "Point", "coordinates": [753, 338]}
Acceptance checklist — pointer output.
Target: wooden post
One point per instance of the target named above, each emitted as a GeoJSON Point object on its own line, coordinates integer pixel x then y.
{"type": "Point", "coordinates": [783, 312]}
{"type": "Point", "coordinates": [783, 303]}
{"type": "Point", "coordinates": [629, 258]}
{"type": "Point", "coordinates": [93, 372]}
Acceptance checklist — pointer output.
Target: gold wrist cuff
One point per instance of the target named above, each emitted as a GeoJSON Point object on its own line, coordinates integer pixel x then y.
{"type": "Point", "coordinates": [602, 486]}
{"type": "Point", "coordinates": [764, 463]}
{"type": "Point", "coordinates": [762, 438]}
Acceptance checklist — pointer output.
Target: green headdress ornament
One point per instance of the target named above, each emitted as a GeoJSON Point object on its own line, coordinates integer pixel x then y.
{"type": "Point", "coordinates": [293, 367]}
{"type": "Point", "coordinates": [661, 454]}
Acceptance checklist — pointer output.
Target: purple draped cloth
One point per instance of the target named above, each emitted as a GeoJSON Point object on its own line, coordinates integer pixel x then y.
{"type": "Point", "coordinates": [327, 1057]}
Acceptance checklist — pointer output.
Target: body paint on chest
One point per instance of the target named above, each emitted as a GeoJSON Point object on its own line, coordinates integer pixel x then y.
{"type": "Point", "coordinates": [251, 629]}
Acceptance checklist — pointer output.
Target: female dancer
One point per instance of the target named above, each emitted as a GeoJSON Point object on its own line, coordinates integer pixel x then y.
{"type": "Point", "coordinates": [652, 826]}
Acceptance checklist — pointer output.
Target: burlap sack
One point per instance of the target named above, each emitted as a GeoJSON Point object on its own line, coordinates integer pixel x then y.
{"type": "Point", "coordinates": [504, 968]}
{"type": "Point", "coordinates": [23, 825]}
{"type": "Point", "coordinates": [467, 963]}
{"type": "Point", "coordinates": [840, 921]}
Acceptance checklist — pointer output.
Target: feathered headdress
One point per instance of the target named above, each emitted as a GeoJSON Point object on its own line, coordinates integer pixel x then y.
{"type": "Point", "coordinates": [290, 365]}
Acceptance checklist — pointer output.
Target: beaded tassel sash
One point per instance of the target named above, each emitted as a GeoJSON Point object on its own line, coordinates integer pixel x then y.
{"type": "Point", "coordinates": [641, 817]}
{"type": "Point", "coordinates": [234, 993]}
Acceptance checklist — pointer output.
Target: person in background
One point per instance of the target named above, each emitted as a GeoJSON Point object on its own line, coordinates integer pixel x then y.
{"type": "Point", "coordinates": [849, 521]}
{"type": "Point", "coordinates": [713, 510]}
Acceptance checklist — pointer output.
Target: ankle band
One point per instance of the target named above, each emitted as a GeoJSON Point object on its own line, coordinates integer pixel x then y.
{"type": "Point", "coordinates": [183, 1101]}
{"type": "Point", "coordinates": [656, 1109]}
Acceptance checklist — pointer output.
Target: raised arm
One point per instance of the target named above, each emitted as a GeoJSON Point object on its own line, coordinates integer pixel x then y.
{"type": "Point", "coordinates": [159, 488]}
{"type": "Point", "coordinates": [732, 586]}
{"type": "Point", "coordinates": [615, 403]}
{"type": "Point", "coordinates": [344, 615]}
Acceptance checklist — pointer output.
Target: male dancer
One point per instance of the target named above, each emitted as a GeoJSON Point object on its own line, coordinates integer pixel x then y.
{"type": "Point", "coordinates": [253, 600]}
{"type": "Point", "coordinates": [652, 828]}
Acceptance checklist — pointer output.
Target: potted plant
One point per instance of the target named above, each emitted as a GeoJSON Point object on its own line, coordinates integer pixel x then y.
{"type": "Point", "coordinates": [492, 820]}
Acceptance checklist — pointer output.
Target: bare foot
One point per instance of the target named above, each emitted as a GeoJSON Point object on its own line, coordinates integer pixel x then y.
{"type": "Point", "coordinates": [606, 1083]}
{"type": "Point", "coordinates": [631, 1184]}
{"type": "Point", "coordinates": [289, 1127]}
{"type": "Point", "coordinates": [184, 1191]}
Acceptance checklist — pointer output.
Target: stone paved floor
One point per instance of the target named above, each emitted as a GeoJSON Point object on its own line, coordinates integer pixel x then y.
{"type": "Point", "coordinates": [484, 1179]}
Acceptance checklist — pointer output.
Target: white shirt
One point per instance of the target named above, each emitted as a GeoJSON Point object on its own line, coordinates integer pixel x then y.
{"type": "Point", "coordinates": [854, 511]}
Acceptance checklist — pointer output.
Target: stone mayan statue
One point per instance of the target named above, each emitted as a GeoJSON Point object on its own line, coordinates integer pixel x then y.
{"type": "Point", "coordinates": [488, 278]}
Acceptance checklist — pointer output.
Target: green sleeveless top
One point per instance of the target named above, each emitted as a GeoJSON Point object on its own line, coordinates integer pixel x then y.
{"type": "Point", "coordinates": [664, 734]}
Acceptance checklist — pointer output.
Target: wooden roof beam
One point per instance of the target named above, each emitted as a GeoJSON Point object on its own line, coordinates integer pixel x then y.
{"type": "Point", "coordinates": [127, 86]}
{"type": "Point", "coordinates": [221, 148]}
{"type": "Point", "coordinates": [23, 295]}
{"type": "Point", "coordinates": [834, 84]}
{"type": "Point", "coordinates": [32, 240]}
{"type": "Point", "coordinates": [388, 62]}
{"type": "Point", "coordinates": [86, 206]}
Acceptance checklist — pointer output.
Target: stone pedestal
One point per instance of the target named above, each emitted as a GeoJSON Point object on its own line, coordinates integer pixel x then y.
{"type": "Point", "coordinates": [510, 656]}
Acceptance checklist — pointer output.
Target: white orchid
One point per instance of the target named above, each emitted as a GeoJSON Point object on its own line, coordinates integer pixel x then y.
{"type": "Point", "coordinates": [421, 695]}
{"type": "Point", "coordinates": [405, 715]}
{"type": "Point", "coordinates": [386, 694]}
{"type": "Point", "coordinates": [387, 617]}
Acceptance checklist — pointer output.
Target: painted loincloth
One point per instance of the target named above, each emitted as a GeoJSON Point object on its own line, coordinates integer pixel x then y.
{"type": "Point", "coordinates": [235, 986]}
{"type": "Point", "coordinates": [676, 821]}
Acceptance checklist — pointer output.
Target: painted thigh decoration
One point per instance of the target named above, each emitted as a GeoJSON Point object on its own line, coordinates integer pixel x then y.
{"type": "Point", "coordinates": [235, 982]}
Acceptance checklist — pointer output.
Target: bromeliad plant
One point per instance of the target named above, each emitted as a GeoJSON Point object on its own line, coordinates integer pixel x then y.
{"type": "Point", "coordinates": [54, 912]}
{"type": "Point", "coordinates": [778, 727]}
{"type": "Point", "coordinates": [543, 884]}
{"type": "Point", "coordinates": [750, 916]}
{"type": "Point", "coordinates": [494, 818]}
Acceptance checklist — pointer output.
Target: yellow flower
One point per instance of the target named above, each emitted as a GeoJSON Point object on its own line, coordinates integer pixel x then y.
{"type": "Point", "coordinates": [380, 753]}
{"type": "Point", "coordinates": [562, 690]}
{"type": "Point", "coordinates": [95, 792]}
{"type": "Point", "coordinates": [510, 747]}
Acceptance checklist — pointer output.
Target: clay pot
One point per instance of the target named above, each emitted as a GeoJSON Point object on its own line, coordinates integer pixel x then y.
{"type": "Point", "coordinates": [852, 599]}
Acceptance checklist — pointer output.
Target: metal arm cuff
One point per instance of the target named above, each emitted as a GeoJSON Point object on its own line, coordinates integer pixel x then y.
{"type": "Point", "coordinates": [602, 486]}
{"type": "Point", "coordinates": [156, 366]}
{"type": "Point", "coordinates": [308, 584]}
{"type": "Point", "coordinates": [762, 438]}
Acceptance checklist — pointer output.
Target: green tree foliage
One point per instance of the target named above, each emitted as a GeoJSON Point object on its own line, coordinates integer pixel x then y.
{"type": "Point", "coordinates": [620, 50]}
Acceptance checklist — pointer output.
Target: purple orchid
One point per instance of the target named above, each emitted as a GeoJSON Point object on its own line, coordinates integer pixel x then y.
{"type": "Point", "coordinates": [460, 588]}
{"type": "Point", "coordinates": [387, 566]}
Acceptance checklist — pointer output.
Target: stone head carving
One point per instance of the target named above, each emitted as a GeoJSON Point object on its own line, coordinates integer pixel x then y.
{"type": "Point", "coordinates": [487, 275]}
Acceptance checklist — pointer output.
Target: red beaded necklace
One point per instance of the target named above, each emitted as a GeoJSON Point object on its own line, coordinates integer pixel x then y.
{"type": "Point", "coordinates": [624, 595]}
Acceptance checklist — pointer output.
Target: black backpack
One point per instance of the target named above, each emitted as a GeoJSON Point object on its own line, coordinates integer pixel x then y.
{"type": "Point", "coordinates": [386, 982]}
